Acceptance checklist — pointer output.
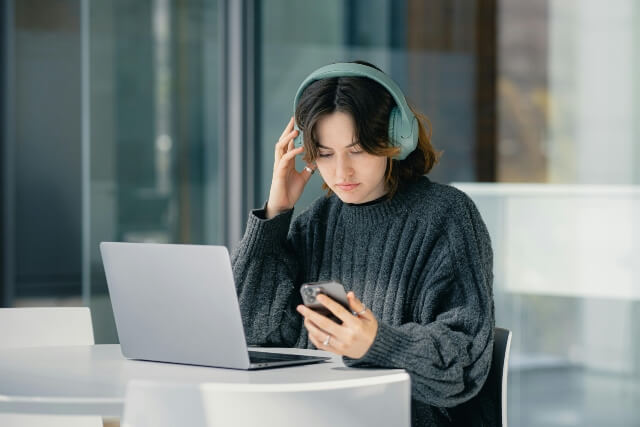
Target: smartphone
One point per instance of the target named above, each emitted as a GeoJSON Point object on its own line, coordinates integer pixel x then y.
{"type": "Point", "coordinates": [332, 289]}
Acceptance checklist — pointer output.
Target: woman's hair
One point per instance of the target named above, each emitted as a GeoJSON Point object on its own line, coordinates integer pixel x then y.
{"type": "Point", "coordinates": [370, 105]}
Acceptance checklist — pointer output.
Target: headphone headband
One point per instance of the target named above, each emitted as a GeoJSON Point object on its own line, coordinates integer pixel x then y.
{"type": "Point", "coordinates": [403, 125]}
{"type": "Point", "coordinates": [349, 69]}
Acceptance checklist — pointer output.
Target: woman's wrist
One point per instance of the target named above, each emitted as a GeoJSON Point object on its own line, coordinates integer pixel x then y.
{"type": "Point", "coordinates": [270, 212]}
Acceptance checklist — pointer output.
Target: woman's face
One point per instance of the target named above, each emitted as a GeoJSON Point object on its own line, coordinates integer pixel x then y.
{"type": "Point", "coordinates": [341, 161]}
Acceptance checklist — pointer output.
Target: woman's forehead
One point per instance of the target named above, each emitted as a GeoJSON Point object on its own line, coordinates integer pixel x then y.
{"type": "Point", "coordinates": [336, 131]}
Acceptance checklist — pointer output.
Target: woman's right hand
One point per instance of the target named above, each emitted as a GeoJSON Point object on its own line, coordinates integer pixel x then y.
{"type": "Point", "coordinates": [287, 183]}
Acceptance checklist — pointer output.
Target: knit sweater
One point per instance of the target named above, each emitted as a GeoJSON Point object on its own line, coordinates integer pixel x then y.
{"type": "Point", "coordinates": [421, 261]}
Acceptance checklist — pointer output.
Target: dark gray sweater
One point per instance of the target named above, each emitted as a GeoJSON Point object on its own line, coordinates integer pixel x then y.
{"type": "Point", "coordinates": [421, 261]}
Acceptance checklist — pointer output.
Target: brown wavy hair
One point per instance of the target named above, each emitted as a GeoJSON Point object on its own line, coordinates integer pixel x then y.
{"type": "Point", "coordinates": [370, 105]}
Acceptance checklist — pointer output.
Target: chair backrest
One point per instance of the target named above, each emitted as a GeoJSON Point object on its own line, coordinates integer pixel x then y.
{"type": "Point", "coordinates": [347, 403]}
{"type": "Point", "coordinates": [42, 327]}
{"type": "Point", "coordinates": [500, 369]}
{"type": "Point", "coordinates": [45, 326]}
{"type": "Point", "coordinates": [491, 401]}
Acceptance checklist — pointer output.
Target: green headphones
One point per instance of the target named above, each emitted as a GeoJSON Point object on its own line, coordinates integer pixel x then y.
{"type": "Point", "coordinates": [403, 125]}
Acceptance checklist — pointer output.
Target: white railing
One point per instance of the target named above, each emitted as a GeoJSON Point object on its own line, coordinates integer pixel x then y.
{"type": "Point", "coordinates": [565, 240]}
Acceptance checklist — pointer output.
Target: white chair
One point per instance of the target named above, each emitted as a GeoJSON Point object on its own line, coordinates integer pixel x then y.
{"type": "Point", "coordinates": [45, 326]}
{"type": "Point", "coordinates": [381, 401]}
{"type": "Point", "coordinates": [42, 327]}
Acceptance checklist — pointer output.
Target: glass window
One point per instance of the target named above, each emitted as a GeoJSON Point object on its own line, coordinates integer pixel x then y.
{"type": "Point", "coordinates": [154, 123]}
{"type": "Point", "coordinates": [41, 153]}
{"type": "Point", "coordinates": [533, 106]}
{"type": "Point", "coordinates": [565, 228]}
{"type": "Point", "coordinates": [435, 68]}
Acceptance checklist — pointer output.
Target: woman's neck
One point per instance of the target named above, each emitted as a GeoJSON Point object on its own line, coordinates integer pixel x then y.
{"type": "Point", "coordinates": [370, 202]}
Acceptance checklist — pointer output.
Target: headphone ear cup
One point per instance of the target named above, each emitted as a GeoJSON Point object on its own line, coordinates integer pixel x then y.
{"type": "Point", "coordinates": [395, 126]}
{"type": "Point", "coordinates": [401, 134]}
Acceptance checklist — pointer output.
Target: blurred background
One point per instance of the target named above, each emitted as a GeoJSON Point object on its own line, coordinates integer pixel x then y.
{"type": "Point", "coordinates": [155, 121]}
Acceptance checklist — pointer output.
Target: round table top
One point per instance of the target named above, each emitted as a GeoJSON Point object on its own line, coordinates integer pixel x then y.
{"type": "Point", "coordinates": [92, 380]}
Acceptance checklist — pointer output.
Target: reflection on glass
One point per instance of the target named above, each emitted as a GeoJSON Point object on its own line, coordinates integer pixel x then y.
{"type": "Point", "coordinates": [162, 73]}
{"type": "Point", "coordinates": [566, 280]}
{"type": "Point", "coordinates": [154, 149]}
{"type": "Point", "coordinates": [434, 69]}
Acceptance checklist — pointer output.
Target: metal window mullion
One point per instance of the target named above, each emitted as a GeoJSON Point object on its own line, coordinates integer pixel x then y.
{"type": "Point", "coordinates": [238, 136]}
{"type": "Point", "coordinates": [222, 119]}
{"type": "Point", "coordinates": [9, 156]}
{"type": "Point", "coordinates": [235, 142]}
{"type": "Point", "coordinates": [250, 107]}
{"type": "Point", "coordinates": [85, 103]}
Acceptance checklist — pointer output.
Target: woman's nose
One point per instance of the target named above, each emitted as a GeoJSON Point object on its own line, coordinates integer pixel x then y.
{"type": "Point", "coordinates": [344, 167]}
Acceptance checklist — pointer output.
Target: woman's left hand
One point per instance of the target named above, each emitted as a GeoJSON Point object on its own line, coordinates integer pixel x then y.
{"type": "Point", "coordinates": [353, 338]}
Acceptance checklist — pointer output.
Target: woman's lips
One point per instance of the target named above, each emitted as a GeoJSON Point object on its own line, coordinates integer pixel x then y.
{"type": "Point", "coordinates": [347, 187]}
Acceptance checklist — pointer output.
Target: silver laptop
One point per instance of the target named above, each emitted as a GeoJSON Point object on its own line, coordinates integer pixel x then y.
{"type": "Point", "coordinates": [178, 303]}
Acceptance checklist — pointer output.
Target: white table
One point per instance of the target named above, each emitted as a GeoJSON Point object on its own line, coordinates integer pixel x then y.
{"type": "Point", "coordinates": [91, 380]}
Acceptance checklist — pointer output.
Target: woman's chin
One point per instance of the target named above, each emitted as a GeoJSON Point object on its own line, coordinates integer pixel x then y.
{"type": "Point", "coordinates": [348, 197]}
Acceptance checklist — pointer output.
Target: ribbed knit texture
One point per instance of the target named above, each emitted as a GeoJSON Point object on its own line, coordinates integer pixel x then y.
{"type": "Point", "coordinates": [421, 261]}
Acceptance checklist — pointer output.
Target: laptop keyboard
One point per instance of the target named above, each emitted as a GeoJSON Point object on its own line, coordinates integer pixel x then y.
{"type": "Point", "coordinates": [263, 357]}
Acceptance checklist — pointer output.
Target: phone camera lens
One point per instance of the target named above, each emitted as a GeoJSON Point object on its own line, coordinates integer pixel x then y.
{"type": "Point", "coordinates": [311, 294]}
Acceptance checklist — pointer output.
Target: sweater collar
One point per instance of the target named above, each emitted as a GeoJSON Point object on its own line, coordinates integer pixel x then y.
{"type": "Point", "coordinates": [387, 209]}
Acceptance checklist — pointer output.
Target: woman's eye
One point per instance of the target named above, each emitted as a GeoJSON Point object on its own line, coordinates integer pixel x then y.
{"type": "Point", "coordinates": [329, 155]}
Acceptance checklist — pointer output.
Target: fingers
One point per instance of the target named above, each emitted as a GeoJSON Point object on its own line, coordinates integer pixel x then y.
{"type": "Point", "coordinates": [358, 307]}
{"type": "Point", "coordinates": [352, 338]}
{"type": "Point", "coordinates": [308, 173]}
{"type": "Point", "coordinates": [338, 310]}
{"type": "Point", "coordinates": [285, 162]}
{"type": "Point", "coordinates": [284, 144]}
{"type": "Point", "coordinates": [316, 341]}
{"type": "Point", "coordinates": [287, 133]}
{"type": "Point", "coordinates": [320, 321]}
{"type": "Point", "coordinates": [318, 337]}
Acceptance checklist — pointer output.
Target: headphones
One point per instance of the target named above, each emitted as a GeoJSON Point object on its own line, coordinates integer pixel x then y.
{"type": "Point", "coordinates": [403, 125]}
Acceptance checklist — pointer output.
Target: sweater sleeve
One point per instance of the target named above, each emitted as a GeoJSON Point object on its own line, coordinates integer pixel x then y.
{"type": "Point", "coordinates": [265, 268]}
{"type": "Point", "coordinates": [447, 348]}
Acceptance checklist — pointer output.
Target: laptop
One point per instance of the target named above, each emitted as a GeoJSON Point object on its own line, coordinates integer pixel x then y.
{"type": "Point", "coordinates": [178, 304]}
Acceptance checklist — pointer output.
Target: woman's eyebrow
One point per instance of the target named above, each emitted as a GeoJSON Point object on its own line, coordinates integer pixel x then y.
{"type": "Point", "coordinates": [329, 148]}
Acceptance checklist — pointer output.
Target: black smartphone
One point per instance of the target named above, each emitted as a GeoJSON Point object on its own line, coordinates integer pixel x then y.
{"type": "Point", "coordinates": [332, 289]}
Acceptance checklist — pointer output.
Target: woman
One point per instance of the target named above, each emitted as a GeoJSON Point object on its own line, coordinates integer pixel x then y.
{"type": "Point", "coordinates": [414, 255]}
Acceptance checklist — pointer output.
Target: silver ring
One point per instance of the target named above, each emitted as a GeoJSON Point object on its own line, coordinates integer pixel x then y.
{"type": "Point", "coordinates": [358, 313]}
{"type": "Point", "coordinates": [326, 341]}
{"type": "Point", "coordinates": [311, 171]}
